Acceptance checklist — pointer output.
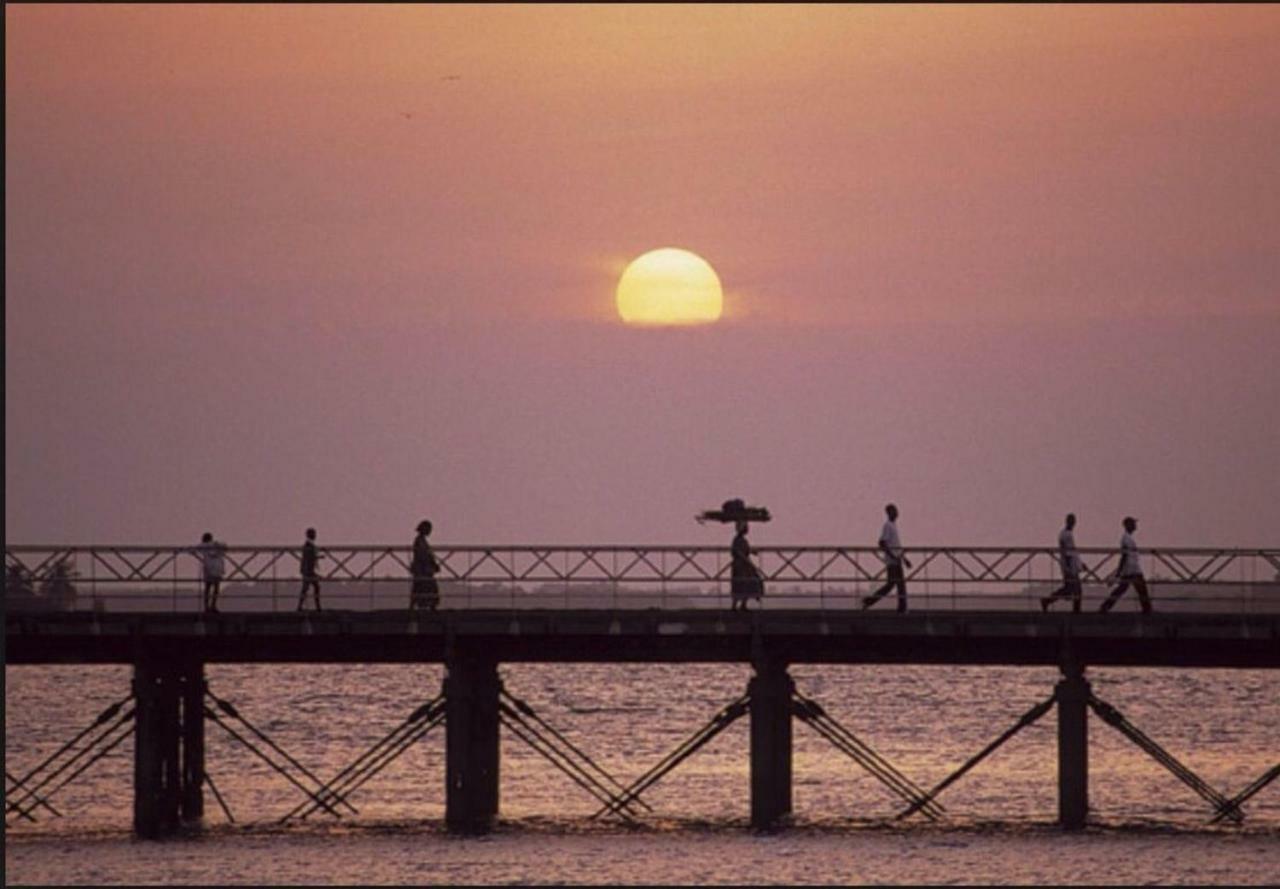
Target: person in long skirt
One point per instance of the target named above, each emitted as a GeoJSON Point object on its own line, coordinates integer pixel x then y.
{"type": "Point", "coordinates": [425, 592]}
{"type": "Point", "coordinates": [745, 581]}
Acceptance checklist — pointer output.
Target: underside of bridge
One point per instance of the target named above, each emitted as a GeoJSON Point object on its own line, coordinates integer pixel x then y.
{"type": "Point", "coordinates": [170, 725]}
{"type": "Point", "coordinates": [656, 636]}
{"type": "Point", "coordinates": [169, 653]}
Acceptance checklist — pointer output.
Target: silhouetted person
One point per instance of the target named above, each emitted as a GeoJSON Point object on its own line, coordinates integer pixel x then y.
{"type": "Point", "coordinates": [310, 577]}
{"type": "Point", "coordinates": [1130, 571]}
{"type": "Point", "coordinates": [426, 592]}
{"type": "Point", "coordinates": [211, 568]}
{"type": "Point", "coordinates": [745, 581]}
{"type": "Point", "coordinates": [894, 561]}
{"type": "Point", "coordinates": [1069, 560]}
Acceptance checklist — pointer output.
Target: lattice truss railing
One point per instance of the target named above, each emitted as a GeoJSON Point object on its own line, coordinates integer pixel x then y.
{"type": "Point", "coordinates": [804, 567]}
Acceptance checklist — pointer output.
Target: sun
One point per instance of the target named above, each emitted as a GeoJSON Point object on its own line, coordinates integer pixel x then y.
{"type": "Point", "coordinates": [669, 286]}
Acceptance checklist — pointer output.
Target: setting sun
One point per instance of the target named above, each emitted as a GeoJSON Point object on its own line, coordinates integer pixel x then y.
{"type": "Point", "coordinates": [669, 286]}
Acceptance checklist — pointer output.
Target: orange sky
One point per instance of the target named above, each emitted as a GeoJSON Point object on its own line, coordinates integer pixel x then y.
{"type": "Point", "coordinates": [318, 215]}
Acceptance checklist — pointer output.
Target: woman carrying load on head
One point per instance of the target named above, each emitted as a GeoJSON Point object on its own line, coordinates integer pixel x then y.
{"type": "Point", "coordinates": [425, 592]}
{"type": "Point", "coordinates": [745, 580]}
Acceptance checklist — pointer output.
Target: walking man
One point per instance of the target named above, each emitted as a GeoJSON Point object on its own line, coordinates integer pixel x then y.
{"type": "Point", "coordinates": [1069, 559]}
{"type": "Point", "coordinates": [894, 562]}
{"type": "Point", "coordinates": [310, 577]}
{"type": "Point", "coordinates": [1130, 572]}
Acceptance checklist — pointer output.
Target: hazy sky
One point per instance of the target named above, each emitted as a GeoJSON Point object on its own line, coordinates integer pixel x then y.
{"type": "Point", "coordinates": [276, 266]}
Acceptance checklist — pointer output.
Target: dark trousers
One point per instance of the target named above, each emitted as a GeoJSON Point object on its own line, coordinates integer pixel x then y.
{"type": "Point", "coordinates": [211, 594]}
{"type": "Point", "coordinates": [1139, 583]}
{"type": "Point", "coordinates": [313, 583]}
{"type": "Point", "coordinates": [896, 579]}
{"type": "Point", "coordinates": [1071, 588]}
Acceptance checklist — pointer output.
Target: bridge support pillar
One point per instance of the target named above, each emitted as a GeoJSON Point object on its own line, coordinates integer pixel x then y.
{"type": "Point", "coordinates": [770, 691]}
{"type": "Point", "coordinates": [191, 690]}
{"type": "Point", "coordinates": [1073, 749]}
{"type": "Point", "coordinates": [156, 771]}
{"type": "Point", "coordinates": [471, 744]}
{"type": "Point", "coordinates": [168, 760]}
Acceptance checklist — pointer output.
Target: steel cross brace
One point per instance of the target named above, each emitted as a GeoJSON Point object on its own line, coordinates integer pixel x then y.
{"type": "Point", "coordinates": [230, 711]}
{"type": "Point", "coordinates": [718, 723]}
{"type": "Point", "coordinates": [812, 714]}
{"type": "Point", "coordinates": [1234, 803]}
{"type": "Point", "coordinates": [526, 725]}
{"type": "Point", "coordinates": [1025, 720]}
{"type": "Point", "coordinates": [373, 760]}
{"type": "Point", "coordinates": [31, 791]}
{"type": "Point", "coordinates": [1111, 716]}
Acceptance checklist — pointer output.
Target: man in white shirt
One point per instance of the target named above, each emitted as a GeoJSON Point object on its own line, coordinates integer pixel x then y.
{"type": "Point", "coordinates": [894, 560]}
{"type": "Point", "coordinates": [211, 554]}
{"type": "Point", "coordinates": [1069, 559]}
{"type": "Point", "coordinates": [1130, 572]}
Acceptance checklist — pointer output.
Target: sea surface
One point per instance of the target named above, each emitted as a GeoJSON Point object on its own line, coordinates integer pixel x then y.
{"type": "Point", "coordinates": [1146, 826]}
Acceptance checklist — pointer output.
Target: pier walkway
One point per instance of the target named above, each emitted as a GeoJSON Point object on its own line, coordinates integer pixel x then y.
{"type": "Point", "coordinates": [639, 604]}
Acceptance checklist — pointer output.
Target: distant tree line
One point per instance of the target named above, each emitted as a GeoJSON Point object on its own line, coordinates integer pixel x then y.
{"type": "Point", "coordinates": [56, 590]}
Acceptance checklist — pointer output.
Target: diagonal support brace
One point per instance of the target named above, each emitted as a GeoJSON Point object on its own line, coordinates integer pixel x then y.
{"type": "Point", "coordinates": [229, 709]}
{"type": "Point", "coordinates": [422, 721]}
{"type": "Point", "coordinates": [566, 756]}
{"type": "Point", "coordinates": [718, 723]}
{"type": "Point", "coordinates": [17, 784]}
{"type": "Point", "coordinates": [1114, 718]}
{"type": "Point", "coordinates": [1025, 720]}
{"type": "Point", "coordinates": [31, 791]}
{"type": "Point", "coordinates": [1233, 804]}
{"type": "Point", "coordinates": [212, 715]}
{"type": "Point", "coordinates": [815, 716]}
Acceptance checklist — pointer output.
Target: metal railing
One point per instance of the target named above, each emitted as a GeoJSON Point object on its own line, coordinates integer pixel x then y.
{"type": "Point", "coordinates": [372, 577]}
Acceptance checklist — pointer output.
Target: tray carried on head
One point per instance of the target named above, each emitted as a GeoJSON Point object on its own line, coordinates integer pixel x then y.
{"type": "Point", "coordinates": [734, 511]}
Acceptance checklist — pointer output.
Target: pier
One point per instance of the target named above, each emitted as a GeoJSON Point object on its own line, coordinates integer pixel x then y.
{"type": "Point", "coordinates": [139, 606]}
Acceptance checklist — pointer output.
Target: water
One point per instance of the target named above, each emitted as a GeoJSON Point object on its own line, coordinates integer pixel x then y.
{"type": "Point", "coordinates": [999, 826]}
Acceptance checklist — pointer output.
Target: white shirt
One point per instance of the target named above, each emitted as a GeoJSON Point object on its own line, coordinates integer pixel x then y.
{"type": "Point", "coordinates": [889, 539]}
{"type": "Point", "coordinates": [1129, 563]}
{"type": "Point", "coordinates": [1067, 554]}
{"type": "Point", "coordinates": [211, 559]}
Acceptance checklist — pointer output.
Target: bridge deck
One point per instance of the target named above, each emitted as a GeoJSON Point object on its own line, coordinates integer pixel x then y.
{"type": "Point", "coordinates": [653, 635]}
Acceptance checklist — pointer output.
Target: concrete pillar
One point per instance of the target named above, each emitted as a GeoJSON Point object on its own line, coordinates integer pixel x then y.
{"type": "Point", "coordinates": [1073, 749]}
{"type": "Point", "coordinates": [770, 691]}
{"type": "Point", "coordinates": [156, 769]}
{"type": "Point", "coordinates": [471, 744]}
{"type": "Point", "coordinates": [191, 800]}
